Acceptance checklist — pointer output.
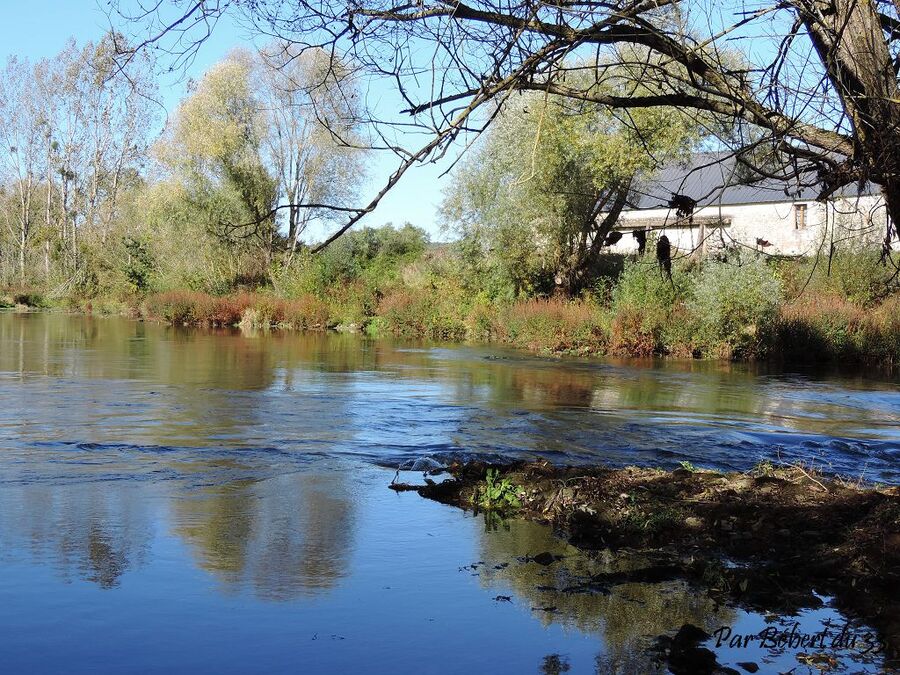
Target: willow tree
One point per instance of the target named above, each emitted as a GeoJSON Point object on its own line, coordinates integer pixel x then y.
{"type": "Point", "coordinates": [545, 187]}
{"type": "Point", "coordinates": [214, 148]}
{"type": "Point", "coordinates": [818, 85]}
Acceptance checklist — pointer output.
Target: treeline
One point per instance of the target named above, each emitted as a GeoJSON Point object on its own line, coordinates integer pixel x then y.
{"type": "Point", "coordinates": [97, 201]}
{"type": "Point", "coordinates": [391, 282]}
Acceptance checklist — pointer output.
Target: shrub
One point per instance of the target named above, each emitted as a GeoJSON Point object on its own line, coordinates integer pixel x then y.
{"type": "Point", "coordinates": [733, 302]}
{"type": "Point", "coordinates": [173, 306]}
{"type": "Point", "coordinates": [644, 287]}
{"type": "Point", "coordinates": [831, 328]}
{"type": "Point", "coordinates": [556, 325]}
{"type": "Point", "coordinates": [305, 312]}
{"type": "Point", "coordinates": [30, 299]}
{"type": "Point", "coordinates": [422, 314]}
{"type": "Point", "coordinates": [857, 276]}
{"type": "Point", "coordinates": [634, 333]}
{"type": "Point", "coordinates": [648, 314]}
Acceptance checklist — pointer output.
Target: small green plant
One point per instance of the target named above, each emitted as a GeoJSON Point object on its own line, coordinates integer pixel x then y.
{"type": "Point", "coordinates": [498, 493]}
{"type": "Point", "coordinates": [764, 468]}
{"type": "Point", "coordinates": [687, 466]}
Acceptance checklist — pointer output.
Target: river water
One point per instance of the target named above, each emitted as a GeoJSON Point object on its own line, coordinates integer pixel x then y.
{"type": "Point", "coordinates": [175, 500]}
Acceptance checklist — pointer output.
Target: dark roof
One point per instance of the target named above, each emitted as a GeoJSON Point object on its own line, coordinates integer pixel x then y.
{"type": "Point", "coordinates": [716, 178]}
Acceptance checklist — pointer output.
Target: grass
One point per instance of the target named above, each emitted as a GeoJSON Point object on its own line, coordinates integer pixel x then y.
{"type": "Point", "coordinates": [252, 310]}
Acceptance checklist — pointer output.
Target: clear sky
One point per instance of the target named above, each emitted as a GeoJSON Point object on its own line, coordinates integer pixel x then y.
{"type": "Point", "coordinates": [36, 29]}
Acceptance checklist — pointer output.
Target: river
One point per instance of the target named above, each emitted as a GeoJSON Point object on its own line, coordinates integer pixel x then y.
{"type": "Point", "coordinates": [174, 500]}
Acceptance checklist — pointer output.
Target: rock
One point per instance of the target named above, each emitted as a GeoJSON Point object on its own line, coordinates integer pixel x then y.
{"type": "Point", "coordinates": [693, 522]}
{"type": "Point", "coordinates": [545, 558]}
{"type": "Point", "coordinates": [692, 661]}
{"type": "Point", "coordinates": [690, 635]}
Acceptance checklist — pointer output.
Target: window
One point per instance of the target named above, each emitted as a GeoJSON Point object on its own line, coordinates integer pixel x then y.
{"type": "Point", "coordinates": [799, 216]}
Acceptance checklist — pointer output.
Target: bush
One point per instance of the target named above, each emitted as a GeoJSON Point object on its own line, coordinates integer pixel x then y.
{"type": "Point", "coordinates": [733, 303]}
{"type": "Point", "coordinates": [831, 328]}
{"type": "Point", "coordinates": [421, 314]}
{"type": "Point", "coordinates": [648, 314]}
{"type": "Point", "coordinates": [555, 325]}
{"type": "Point", "coordinates": [857, 276]}
{"type": "Point", "coordinates": [305, 312]}
{"type": "Point", "coordinates": [30, 299]}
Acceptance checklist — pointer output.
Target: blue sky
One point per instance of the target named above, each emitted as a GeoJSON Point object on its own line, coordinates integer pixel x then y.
{"type": "Point", "coordinates": [36, 29]}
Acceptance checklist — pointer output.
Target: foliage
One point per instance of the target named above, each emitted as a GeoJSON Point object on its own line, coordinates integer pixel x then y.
{"type": "Point", "coordinates": [530, 198]}
{"type": "Point", "coordinates": [857, 275]}
{"type": "Point", "coordinates": [647, 307]}
{"type": "Point", "coordinates": [555, 325]}
{"type": "Point", "coordinates": [251, 310]}
{"type": "Point", "coordinates": [832, 329]}
{"type": "Point", "coordinates": [734, 302]}
{"type": "Point", "coordinates": [498, 493]}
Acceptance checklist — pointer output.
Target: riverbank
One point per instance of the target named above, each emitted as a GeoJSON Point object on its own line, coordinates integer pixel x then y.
{"type": "Point", "coordinates": [774, 539]}
{"type": "Point", "coordinates": [813, 329]}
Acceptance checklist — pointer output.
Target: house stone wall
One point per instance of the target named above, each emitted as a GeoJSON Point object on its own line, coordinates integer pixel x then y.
{"type": "Point", "coordinates": [851, 222]}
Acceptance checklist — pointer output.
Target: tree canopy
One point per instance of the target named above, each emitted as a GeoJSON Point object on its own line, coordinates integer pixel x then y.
{"type": "Point", "coordinates": [814, 91]}
{"type": "Point", "coordinates": [543, 190]}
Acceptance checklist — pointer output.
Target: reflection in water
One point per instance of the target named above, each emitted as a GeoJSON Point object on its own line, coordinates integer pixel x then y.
{"type": "Point", "coordinates": [96, 535]}
{"type": "Point", "coordinates": [344, 395]}
{"type": "Point", "coordinates": [153, 480]}
{"type": "Point", "coordinates": [628, 617]}
{"type": "Point", "coordinates": [286, 537]}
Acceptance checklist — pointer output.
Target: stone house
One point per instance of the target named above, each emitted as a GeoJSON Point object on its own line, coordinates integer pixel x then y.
{"type": "Point", "coordinates": [767, 215]}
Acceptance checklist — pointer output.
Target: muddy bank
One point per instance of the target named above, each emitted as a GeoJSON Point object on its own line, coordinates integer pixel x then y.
{"type": "Point", "coordinates": [775, 539]}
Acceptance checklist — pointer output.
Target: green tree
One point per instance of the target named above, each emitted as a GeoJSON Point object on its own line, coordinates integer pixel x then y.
{"type": "Point", "coordinates": [214, 150]}
{"type": "Point", "coordinates": [546, 187]}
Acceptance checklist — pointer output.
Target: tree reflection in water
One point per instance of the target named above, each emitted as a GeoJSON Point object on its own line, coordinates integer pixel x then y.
{"type": "Point", "coordinates": [83, 531]}
{"type": "Point", "coordinates": [285, 537]}
{"type": "Point", "coordinates": [628, 618]}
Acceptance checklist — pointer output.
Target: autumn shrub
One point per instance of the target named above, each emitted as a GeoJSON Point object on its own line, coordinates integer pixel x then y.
{"type": "Point", "coordinates": [421, 313]}
{"type": "Point", "coordinates": [556, 325]}
{"type": "Point", "coordinates": [634, 333]}
{"type": "Point", "coordinates": [353, 302]}
{"type": "Point", "coordinates": [305, 312]}
{"type": "Point", "coordinates": [647, 310]}
{"type": "Point", "coordinates": [481, 322]}
{"type": "Point", "coordinates": [174, 306]}
{"type": "Point", "coordinates": [830, 328]}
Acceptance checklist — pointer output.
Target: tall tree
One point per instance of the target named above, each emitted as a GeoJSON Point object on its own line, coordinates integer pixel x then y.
{"type": "Point", "coordinates": [311, 142]}
{"type": "Point", "coordinates": [215, 145]}
{"type": "Point", "coordinates": [818, 84]}
{"type": "Point", "coordinates": [22, 128]}
{"type": "Point", "coordinates": [545, 188]}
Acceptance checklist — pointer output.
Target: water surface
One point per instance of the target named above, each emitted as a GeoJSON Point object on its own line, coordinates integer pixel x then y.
{"type": "Point", "coordinates": [178, 500]}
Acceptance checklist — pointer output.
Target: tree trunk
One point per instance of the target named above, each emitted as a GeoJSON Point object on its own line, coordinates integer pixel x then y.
{"type": "Point", "coordinates": [850, 41]}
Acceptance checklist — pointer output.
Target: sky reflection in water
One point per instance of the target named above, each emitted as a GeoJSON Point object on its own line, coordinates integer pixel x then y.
{"type": "Point", "coordinates": [179, 500]}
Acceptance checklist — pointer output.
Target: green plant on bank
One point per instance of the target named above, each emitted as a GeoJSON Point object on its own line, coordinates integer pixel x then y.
{"type": "Point", "coordinates": [687, 466]}
{"type": "Point", "coordinates": [654, 521]}
{"type": "Point", "coordinates": [734, 301]}
{"type": "Point", "coordinates": [497, 493]}
{"type": "Point", "coordinates": [764, 468]}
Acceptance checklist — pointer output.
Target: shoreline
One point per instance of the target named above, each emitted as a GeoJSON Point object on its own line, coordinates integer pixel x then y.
{"type": "Point", "coordinates": [773, 539]}
{"type": "Point", "coordinates": [282, 316]}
